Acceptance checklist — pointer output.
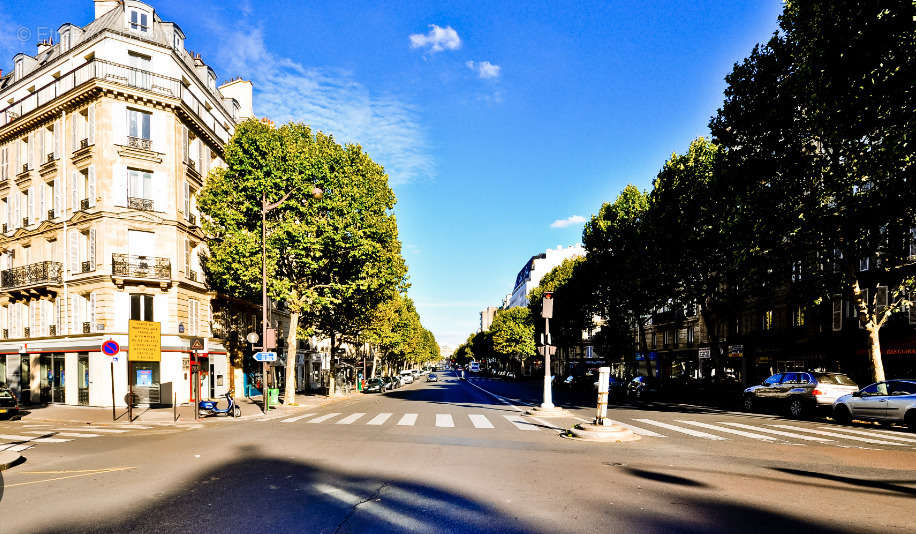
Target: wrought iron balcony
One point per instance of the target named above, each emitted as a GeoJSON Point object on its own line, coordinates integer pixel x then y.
{"type": "Point", "coordinates": [26, 332]}
{"type": "Point", "coordinates": [50, 214]}
{"type": "Point", "coordinates": [86, 267]}
{"type": "Point", "coordinates": [84, 204]}
{"type": "Point", "coordinates": [139, 142]}
{"type": "Point", "coordinates": [25, 167]}
{"type": "Point", "coordinates": [84, 143]}
{"type": "Point", "coordinates": [192, 165]}
{"type": "Point", "coordinates": [192, 276]}
{"type": "Point", "coordinates": [87, 327]}
{"type": "Point", "coordinates": [142, 204]}
{"type": "Point", "coordinates": [5, 228]}
{"type": "Point", "coordinates": [50, 157]}
{"type": "Point", "coordinates": [146, 267]}
{"type": "Point", "coordinates": [192, 219]}
{"type": "Point", "coordinates": [41, 273]}
{"type": "Point", "coordinates": [6, 333]}
{"type": "Point", "coordinates": [25, 222]}
{"type": "Point", "coordinates": [52, 330]}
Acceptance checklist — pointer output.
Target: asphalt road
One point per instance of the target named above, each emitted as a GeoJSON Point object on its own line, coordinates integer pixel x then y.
{"type": "Point", "coordinates": [450, 457]}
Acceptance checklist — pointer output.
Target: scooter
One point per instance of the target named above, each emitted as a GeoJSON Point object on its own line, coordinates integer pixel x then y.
{"type": "Point", "coordinates": [208, 408]}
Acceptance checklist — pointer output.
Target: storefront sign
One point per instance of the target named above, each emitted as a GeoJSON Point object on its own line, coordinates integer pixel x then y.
{"type": "Point", "coordinates": [735, 351]}
{"type": "Point", "coordinates": [145, 377]}
{"type": "Point", "coordinates": [704, 353]}
{"type": "Point", "coordinates": [144, 341]}
{"type": "Point", "coordinates": [640, 357]}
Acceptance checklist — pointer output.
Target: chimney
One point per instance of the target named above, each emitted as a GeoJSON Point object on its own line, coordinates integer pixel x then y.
{"type": "Point", "coordinates": [44, 45]}
{"type": "Point", "coordinates": [104, 6]}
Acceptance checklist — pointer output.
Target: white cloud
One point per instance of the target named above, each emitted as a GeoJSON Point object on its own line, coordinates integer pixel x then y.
{"type": "Point", "coordinates": [437, 39]}
{"type": "Point", "coordinates": [484, 69]}
{"type": "Point", "coordinates": [569, 221]}
{"type": "Point", "coordinates": [329, 100]}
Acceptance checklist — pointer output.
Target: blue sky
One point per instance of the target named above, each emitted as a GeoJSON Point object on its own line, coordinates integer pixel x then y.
{"type": "Point", "coordinates": [493, 119]}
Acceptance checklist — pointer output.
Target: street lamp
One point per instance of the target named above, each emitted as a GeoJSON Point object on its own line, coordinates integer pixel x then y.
{"type": "Point", "coordinates": [266, 207]}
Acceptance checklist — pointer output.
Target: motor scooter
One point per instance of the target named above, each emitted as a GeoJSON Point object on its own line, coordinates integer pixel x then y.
{"type": "Point", "coordinates": [208, 408]}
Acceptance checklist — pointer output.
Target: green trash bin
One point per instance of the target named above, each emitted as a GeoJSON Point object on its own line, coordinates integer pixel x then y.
{"type": "Point", "coordinates": [273, 396]}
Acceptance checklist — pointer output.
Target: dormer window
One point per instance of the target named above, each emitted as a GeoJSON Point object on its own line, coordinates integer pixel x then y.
{"type": "Point", "coordinates": [65, 41]}
{"type": "Point", "coordinates": [176, 41]}
{"type": "Point", "coordinates": [139, 21]}
{"type": "Point", "coordinates": [20, 65]}
{"type": "Point", "coordinates": [211, 81]}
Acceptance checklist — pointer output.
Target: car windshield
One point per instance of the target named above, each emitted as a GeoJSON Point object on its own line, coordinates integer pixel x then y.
{"type": "Point", "coordinates": [834, 378]}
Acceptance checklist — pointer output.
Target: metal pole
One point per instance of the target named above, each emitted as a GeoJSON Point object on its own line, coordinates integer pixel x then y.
{"type": "Point", "coordinates": [174, 407]}
{"type": "Point", "coordinates": [264, 298]}
{"type": "Point", "coordinates": [548, 394]}
{"type": "Point", "coordinates": [113, 416]}
{"type": "Point", "coordinates": [604, 374]}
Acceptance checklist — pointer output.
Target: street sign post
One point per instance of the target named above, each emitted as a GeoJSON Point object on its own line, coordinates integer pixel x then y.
{"type": "Point", "coordinates": [111, 348]}
{"type": "Point", "coordinates": [265, 356]}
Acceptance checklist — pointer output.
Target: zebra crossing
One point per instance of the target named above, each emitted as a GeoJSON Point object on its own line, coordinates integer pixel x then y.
{"type": "Point", "coordinates": [767, 430]}
{"type": "Point", "coordinates": [23, 437]}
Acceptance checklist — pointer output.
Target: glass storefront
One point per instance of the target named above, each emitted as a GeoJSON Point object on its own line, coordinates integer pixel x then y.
{"type": "Point", "coordinates": [144, 380]}
{"type": "Point", "coordinates": [53, 378]}
{"type": "Point", "coordinates": [82, 379]}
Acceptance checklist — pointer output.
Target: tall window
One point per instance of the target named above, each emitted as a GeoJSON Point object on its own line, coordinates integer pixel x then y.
{"type": "Point", "coordinates": [690, 334]}
{"type": "Point", "coordinates": [193, 316]}
{"type": "Point", "coordinates": [5, 162]}
{"type": "Point", "coordinates": [139, 21]}
{"type": "Point", "coordinates": [24, 154]}
{"type": "Point", "coordinates": [141, 307]}
{"type": "Point", "coordinates": [138, 124]}
{"type": "Point", "coordinates": [140, 184]}
{"type": "Point", "coordinates": [65, 41]}
{"type": "Point", "coordinates": [20, 69]}
{"type": "Point", "coordinates": [798, 316]}
{"type": "Point", "coordinates": [767, 320]}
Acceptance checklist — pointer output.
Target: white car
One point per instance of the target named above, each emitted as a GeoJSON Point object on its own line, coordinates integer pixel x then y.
{"type": "Point", "coordinates": [891, 401]}
{"type": "Point", "coordinates": [406, 377]}
{"type": "Point", "coordinates": [474, 368]}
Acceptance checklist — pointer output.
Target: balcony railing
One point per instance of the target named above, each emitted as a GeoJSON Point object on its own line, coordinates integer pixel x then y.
{"type": "Point", "coordinates": [192, 219]}
{"type": "Point", "coordinates": [27, 332]}
{"type": "Point", "coordinates": [192, 276]}
{"type": "Point", "coordinates": [5, 228]}
{"type": "Point", "coordinates": [139, 142]}
{"type": "Point", "coordinates": [25, 167]}
{"type": "Point", "coordinates": [86, 267]}
{"type": "Point", "coordinates": [137, 203]}
{"type": "Point", "coordinates": [25, 222]}
{"type": "Point", "coordinates": [148, 267]}
{"type": "Point", "coordinates": [84, 143]}
{"type": "Point", "coordinates": [52, 330]}
{"type": "Point", "coordinates": [50, 214]}
{"type": "Point", "coordinates": [6, 333]}
{"type": "Point", "coordinates": [106, 71]}
{"type": "Point", "coordinates": [41, 273]}
{"type": "Point", "coordinates": [50, 157]}
{"type": "Point", "coordinates": [84, 204]}
{"type": "Point", "coordinates": [87, 327]}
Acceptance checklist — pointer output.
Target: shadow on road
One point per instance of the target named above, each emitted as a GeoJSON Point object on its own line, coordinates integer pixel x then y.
{"type": "Point", "coordinates": [861, 482]}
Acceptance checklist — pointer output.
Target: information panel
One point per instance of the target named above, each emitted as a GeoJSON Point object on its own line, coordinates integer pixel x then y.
{"type": "Point", "coordinates": [144, 341]}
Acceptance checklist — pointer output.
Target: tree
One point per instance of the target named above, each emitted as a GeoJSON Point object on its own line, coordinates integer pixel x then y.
{"type": "Point", "coordinates": [512, 333]}
{"type": "Point", "coordinates": [573, 305]}
{"type": "Point", "coordinates": [820, 120]}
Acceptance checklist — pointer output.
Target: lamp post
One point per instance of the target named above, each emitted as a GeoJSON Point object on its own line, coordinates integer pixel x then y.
{"type": "Point", "coordinates": [265, 208]}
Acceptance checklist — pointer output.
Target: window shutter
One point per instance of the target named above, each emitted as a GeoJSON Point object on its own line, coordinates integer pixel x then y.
{"type": "Point", "coordinates": [43, 317]}
{"type": "Point", "coordinates": [14, 203]}
{"type": "Point", "coordinates": [75, 192]}
{"type": "Point", "coordinates": [91, 251]}
{"type": "Point", "coordinates": [75, 314]}
{"type": "Point", "coordinates": [74, 132]}
{"type": "Point", "coordinates": [74, 252]}
{"type": "Point", "coordinates": [187, 200]}
{"type": "Point", "coordinates": [91, 192]}
{"type": "Point", "coordinates": [187, 256]}
{"type": "Point", "coordinates": [91, 124]}
{"type": "Point", "coordinates": [42, 145]}
{"type": "Point", "coordinates": [184, 142]}
{"type": "Point", "coordinates": [202, 158]}
{"type": "Point", "coordinates": [31, 204]}
{"type": "Point", "coordinates": [9, 213]}
{"type": "Point", "coordinates": [42, 201]}
{"type": "Point", "coordinates": [57, 316]}
{"type": "Point", "coordinates": [92, 316]}
{"type": "Point", "coordinates": [32, 150]}
{"type": "Point", "coordinates": [57, 136]}
{"type": "Point", "coordinates": [58, 197]}
{"type": "Point", "coordinates": [912, 314]}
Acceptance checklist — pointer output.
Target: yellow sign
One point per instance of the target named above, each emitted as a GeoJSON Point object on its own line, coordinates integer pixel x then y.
{"type": "Point", "coordinates": [144, 341]}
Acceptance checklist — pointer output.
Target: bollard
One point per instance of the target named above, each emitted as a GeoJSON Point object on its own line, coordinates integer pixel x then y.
{"type": "Point", "coordinates": [174, 407]}
{"type": "Point", "coordinates": [604, 374]}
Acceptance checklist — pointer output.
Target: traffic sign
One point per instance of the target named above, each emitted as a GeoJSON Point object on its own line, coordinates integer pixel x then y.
{"type": "Point", "coordinates": [197, 343]}
{"type": "Point", "coordinates": [111, 347]}
{"type": "Point", "coordinates": [265, 356]}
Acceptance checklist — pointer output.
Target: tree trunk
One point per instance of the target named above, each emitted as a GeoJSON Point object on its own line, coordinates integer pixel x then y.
{"type": "Point", "coordinates": [332, 382]}
{"type": "Point", "coordinates": [374, 363]}
{"type": "Point", "coordinates": [289, 396]}
{"type": "Point", "coordinates": [874, 351]}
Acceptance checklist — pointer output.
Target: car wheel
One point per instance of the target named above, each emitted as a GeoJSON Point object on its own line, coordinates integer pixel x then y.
{"type": "Point", "coordinates": [748, 403]}
{"type": "Point", "coordinates": [910, 420]}
{"type": "Point", "coordinates": [796, 408]}
{"type": "Point", "coordinates": [841, 415]}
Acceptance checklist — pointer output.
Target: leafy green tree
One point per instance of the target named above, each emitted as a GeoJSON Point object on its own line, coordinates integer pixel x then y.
{"type": "Point", "coordinates": [573, 307]}
{"type": "Point", "coordinates": [512, 333]}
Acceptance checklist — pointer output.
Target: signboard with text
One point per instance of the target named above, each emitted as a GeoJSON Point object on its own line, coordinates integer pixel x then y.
{"type": "Point", "coordinates": [144, 341]}
{"type": "Point", "coordinates": [704, 353]}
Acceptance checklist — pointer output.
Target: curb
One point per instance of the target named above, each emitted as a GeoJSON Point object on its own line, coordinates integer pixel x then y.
{"type": "Point", "coordinates": [9, 459]}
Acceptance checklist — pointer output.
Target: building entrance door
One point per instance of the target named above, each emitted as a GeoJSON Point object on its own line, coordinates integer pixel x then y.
{"type": "Point", "coordinates": [57, 379]}
{"type": "Point", "coordinates": [82, 379]}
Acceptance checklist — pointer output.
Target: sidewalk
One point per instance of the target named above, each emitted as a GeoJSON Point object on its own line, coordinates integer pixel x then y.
{"type": "Point", "coordinates": [88, 415]}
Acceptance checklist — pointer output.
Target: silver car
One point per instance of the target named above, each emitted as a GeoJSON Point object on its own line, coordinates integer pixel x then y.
{"type": "Point", "coordinates": [891, 401]}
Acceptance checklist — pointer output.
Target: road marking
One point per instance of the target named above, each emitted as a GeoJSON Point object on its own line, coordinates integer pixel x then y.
{"type": "Point", "coordinates": [409, 419]}
{"type": "Point", "coordinates": [63, 434]}
{"type": "Point", "coordinates": [141, 427]}
{"type": "Point", "coordinates": [14, 437]}
{"type": "Point", "coordinates": [379, 419]}
{"type": "Point", "coordinates": [842, 436]}
{"type": "Point", "coordinates": [889, 433]}
{"type": "Point", "coordinates": [79, 474]}
{"type": "Point", "coordinates": [297, 418]}
{"type": "Point", "coordinates": [520, 423]}
{"type": "Point", "coordinates": [324, 418]}
{"type": "Point", "coordinates": [444, 420]}
{"type": "Point", "coordinates": [374, 508]}
{"type": "Point", "coordinates": [93, 429]}
{"type": "Point", "coordinates": [865, 433]}
{"type": "Point", "coordinates": [350, 418]}
{"type": "Point", "coordinates": [635, 429]}
{"type": "Point", "coordinates": [682, 430]}
{"type": "Point", "coordinates": [480, 420]}
{"type": "Point", "coordinates": [547, 424]}
{"type": "Point", "coordinates": [708, 426]}
{"type": "Point", "coordinates": [498, 397]}
{"type": "Point", "coordinates": [777, 432]}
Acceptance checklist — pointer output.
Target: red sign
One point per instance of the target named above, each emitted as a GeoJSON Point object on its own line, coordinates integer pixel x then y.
{"type": "Point", "coordinates": [111, 347]}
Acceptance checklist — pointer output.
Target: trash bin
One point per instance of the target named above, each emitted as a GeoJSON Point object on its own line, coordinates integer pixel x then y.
{"type": "Point", "coordinates": [273, 396]}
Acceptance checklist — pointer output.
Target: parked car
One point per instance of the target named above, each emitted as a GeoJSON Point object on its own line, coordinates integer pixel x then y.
{"type": "Point", "coordinates": [374, 385]}
{"type": "Point", "coordinates": [9, 406]}
{"type": "Point", "coordinates": [891, 401]}
{"type": "Point", "coordinates": [799, 393]}
{"type": "Point", "coordinates": [617, 389]}
{"type": "Point", "coordinates": [642, 388]}
{"type": "Point", "coordinates": [406, 377]}
{"type": "Point", "coordinates": [474, 367]}
{"type": "Point", "coordinates": [431, 377]}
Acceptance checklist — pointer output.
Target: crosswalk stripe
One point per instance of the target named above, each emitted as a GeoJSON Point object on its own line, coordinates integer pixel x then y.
{"type": "Point", "coordinates": [94, 429]}
{"type": "Point", "coordinates": [32, 439]}
{"type": "Point", "coordinates": [350, 418]}
{"type": "Point", "coordinates": [520, 423]}
{"type": "Point", "coordinates": [297, 418]}
{"type": "Point", "coordinates": [323, 418]}
{"type": "Point", "coordinates": [842, 436]}
{"type": "Point", "coordinates": [19, 448]}
{"type": "Point", "coordinates": [63, 434]}
{"type": "Point", "coordinates": [379, 419]}
{"type": "Point", "coordinates": [409, 419]}
{"type": "Point", "coordinates": [727, 430]}
{"type": "Point", "coordinates": [888, 432]}
{"type": "Point", "coordinates": [777, 432]}
{"type": "Point", "coordinates": [866, 433]}
{"type": "Point", "coordinates": [682, 430]}
{"type": "Point", "coordinates": [444, 420]}
{"type": "Point", "coordinates": [637, 430]}
{"type": "Point", "coordinates": [129, 426]}
{"type": "Point", "coordinates": [480, 420]}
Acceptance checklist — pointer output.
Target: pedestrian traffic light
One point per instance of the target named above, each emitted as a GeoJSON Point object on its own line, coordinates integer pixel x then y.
{"type": "Point", "coordinates": [547, 305]}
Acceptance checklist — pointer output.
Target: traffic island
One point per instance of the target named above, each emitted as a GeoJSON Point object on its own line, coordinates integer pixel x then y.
{"type": "Point", "coordinates": [551, 411]}
{"type": "Point", "coordinates": [608, 433]}
{"type": "Point", "coordinates": [9, 459]}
